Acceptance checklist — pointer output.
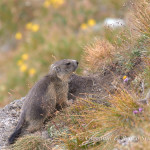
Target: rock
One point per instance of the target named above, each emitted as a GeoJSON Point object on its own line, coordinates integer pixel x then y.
{"type": "Point", "coordinates": [45, 135]}
{"type": "Point", "coordinates": [57, 147]}
{"type": "Point", "coordinates": [9, 116]}
{"type": "Point", "coordinates": [146, 100]}
{"type": "Point", "coordinates": [127, 140]}
{"type": "Point", "coordinates": [9, 45]}
{"type": "Point", "coordinates": [114, 23]}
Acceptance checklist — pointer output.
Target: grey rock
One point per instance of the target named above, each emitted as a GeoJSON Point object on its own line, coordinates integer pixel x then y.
{"type": "Point", "coordinates": [146, 100]}
{"type": "Point", "coordinates": [9, 116]}
{"type": "Point", "coordinates": [9, 45]}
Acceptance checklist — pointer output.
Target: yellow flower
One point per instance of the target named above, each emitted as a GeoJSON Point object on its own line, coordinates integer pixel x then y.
{"type": "Point", "coordinates": [35, 27]}
{"type": "Point", "coordinates": [25, 56]}
{"type": "Point", "coordinates": [46, 4]}
{"type": "Point", "coordinates": [60, 2]}
{"type": "Point", "coordinates": [57, 3]}
{"type": "Point", "coordinates": [91, 22]}
{"type": "Point", "coordinates": [83, 26]}
{"type": "Point", "coordinates": [19, 62]}
{"type": "Point", "coordinates": [32, 71]}
{"type": "Point", "coordinates": [124, 77]}
{"type": "Point", "coordinates": [23, 68]}
{"type": "Point", "coordinates": [29, 26]}
{"type": "Point", "coordinates": [18, 36]}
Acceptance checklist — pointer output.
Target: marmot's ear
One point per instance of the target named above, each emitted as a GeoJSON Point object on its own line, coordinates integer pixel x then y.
{"type": "Point", "coordinates": [59, 73]}
{"type": "Point", "coordinates": [52, 68]}
{"type": "Point", "coordinates": [57, 68]}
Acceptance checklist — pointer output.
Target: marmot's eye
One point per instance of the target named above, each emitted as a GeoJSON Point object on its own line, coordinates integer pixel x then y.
{"type": "Point", "coordinates": [68, 63]}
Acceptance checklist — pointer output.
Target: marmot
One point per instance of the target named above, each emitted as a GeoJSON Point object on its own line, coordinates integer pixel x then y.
{"type": "Point", "coordinates": [93, 87]}
{"type": "Point", "coordinates": [44, 96]}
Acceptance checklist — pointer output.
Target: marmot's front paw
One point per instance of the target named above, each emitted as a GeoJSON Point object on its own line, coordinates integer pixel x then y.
{"type": "Point", "coordinates": [70, 102]}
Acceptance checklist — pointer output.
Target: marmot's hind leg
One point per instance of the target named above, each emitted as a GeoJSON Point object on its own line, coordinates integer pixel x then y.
{"type": "Point", "coordinates": [34, 125]}
{"type": "Point", "coordinates": [63, 105]}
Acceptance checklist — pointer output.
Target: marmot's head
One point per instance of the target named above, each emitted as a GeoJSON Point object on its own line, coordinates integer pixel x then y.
{"type": "Point", "coordinates": [64, 68]}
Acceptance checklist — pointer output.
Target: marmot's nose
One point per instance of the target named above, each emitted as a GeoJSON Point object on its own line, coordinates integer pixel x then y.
{"type": "Point", "coordinates": [77, 62]}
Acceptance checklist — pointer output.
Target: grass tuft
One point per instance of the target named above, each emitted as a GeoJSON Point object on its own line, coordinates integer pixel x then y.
{"type": "Point", "coordinates": [98, 54]}
{"type": "Point", "coordinates": [31, 143]}
{"type": "Point", "coordinates": [141, 11]}
{"type": "Point", "coordinates": [98, 126]}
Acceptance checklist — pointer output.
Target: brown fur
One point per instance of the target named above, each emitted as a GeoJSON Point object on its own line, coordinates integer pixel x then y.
{"type": "Point", "coordinates": [94, 87]}
{"type": "Point", "coordinates": [47, 94]}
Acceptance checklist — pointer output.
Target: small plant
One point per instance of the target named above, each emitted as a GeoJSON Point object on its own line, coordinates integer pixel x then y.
{"type": "Point", "coordinates": [98, 54]}
{"type": "Point", "coordinates": [32, 143]}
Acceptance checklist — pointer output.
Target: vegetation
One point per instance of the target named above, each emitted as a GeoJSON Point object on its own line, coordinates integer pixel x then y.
{"type": "Point", "coordinates": [48, 31]}
{"type": "Point", "coordinates": [32, 142]}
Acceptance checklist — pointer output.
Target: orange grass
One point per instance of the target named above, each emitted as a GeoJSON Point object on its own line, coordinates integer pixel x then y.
{"type": "Point", "coordinates": [141, 11]}
{"type": "Point", "coordinates": [91, 124]}
{"type": "Point", "coordinates": [31, 143]}
{"type": "Point", "coordinates": [98, 54]}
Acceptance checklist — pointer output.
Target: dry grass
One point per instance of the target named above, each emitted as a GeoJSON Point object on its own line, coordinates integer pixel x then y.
{"type": "Point", "coordinates": [98, 54]}
{"type": "Point", "coordinates": [95, 125]}
{"type": "Point", "coordinates": [32, 143]}
{"type": "Point", "coordinates": [140, 131]}
{"type": "Point", "coordinates": [141, 11]}
{"type": "Point", "coordinates": [141, 24]}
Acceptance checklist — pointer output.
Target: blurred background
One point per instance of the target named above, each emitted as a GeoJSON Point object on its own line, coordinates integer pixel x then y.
{"type": "Point", "coordinates": [34, 33]}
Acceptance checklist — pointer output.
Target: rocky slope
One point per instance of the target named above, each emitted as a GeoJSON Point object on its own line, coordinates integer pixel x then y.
{"type": "Point", "coordinates": [88, 86]}
{"type": "Point", "coordinates": [9, 116]}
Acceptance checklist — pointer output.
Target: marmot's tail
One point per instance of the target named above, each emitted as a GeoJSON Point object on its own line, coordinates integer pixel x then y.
{"type": "Point", "coordinates": [18, 130]}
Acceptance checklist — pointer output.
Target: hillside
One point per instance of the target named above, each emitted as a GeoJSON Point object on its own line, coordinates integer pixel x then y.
{"type": "Point", "coordinates": [111, 41]}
